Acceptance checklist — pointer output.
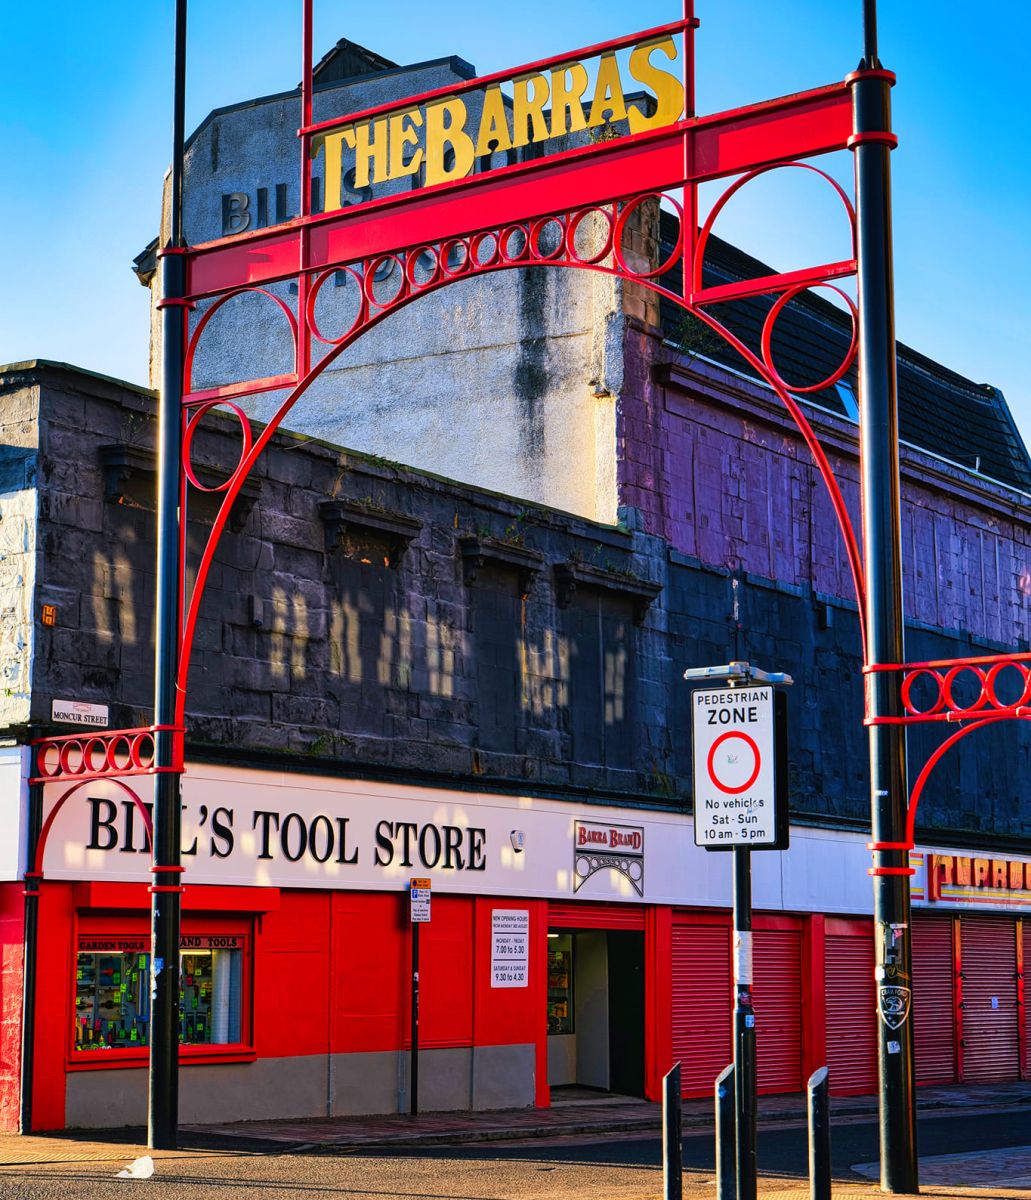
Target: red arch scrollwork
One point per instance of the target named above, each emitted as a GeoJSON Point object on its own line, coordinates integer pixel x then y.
{"type": "Point", "coordinates": [41, 844]}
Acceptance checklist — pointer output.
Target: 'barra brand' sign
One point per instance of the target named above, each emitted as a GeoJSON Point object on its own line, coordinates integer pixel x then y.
{"type": "Point", "coordinates": [441, 140]}
{"type": "Point", "coordinates": [599, 847]}
{"type": "Point", "coordinates": [983, 874]}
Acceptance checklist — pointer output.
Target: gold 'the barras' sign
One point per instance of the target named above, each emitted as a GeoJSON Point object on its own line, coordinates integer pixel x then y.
{"type": "Point", "coordinates": [442, 141]}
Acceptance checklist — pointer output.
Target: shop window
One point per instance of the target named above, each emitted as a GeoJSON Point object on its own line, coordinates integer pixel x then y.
{"type": "Point", "coordinates": [112, 992]}
{"type": "Point", "coordinates": [560, 983]}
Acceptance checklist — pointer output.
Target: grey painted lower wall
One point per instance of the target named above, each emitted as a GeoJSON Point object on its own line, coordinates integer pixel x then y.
{"type": "Point", "coordinates": [458, 1079]}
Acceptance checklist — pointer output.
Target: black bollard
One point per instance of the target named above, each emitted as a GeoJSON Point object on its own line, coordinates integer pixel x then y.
{"type": "Point", "coordinates": [672, 1144]}
{"type": "Point", "coordinates": [726, 1181]}
{"type": "Point", "coordinates": [818, 1097]}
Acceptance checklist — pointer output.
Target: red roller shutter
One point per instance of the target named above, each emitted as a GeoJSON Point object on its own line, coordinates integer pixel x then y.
{"type": "Point", "coordinates": [851, 1014]}
{"type": "Point", "coordinates": [934, 1010]}
{"type": "Point", "coordinates": [595, 916]}
{"type": "Point", "coordinates": [988, 961]}
{"type": "Point", "coordinates": [1025, 992]}
{"type": "Point", "coordinates": [777, 997]}
{"type": "Point", "coordinates": [701, 1005]}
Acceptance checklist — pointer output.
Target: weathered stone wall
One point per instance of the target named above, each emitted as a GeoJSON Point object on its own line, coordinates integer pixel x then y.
{"type": "Point", "coordinates": [321, 643]}
{"type": "Point", "coordinates": [19, 466]}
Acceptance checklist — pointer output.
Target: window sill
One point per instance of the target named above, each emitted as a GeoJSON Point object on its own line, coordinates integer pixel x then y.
{"type": "Point", "coordinates": [101, 1060]}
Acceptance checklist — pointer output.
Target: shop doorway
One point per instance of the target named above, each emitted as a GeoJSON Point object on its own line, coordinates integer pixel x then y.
{"type": "Point", "coordinates": [596, 1010]}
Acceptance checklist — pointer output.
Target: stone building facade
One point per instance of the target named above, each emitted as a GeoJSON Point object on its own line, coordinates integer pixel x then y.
{"type": "Point", "coordinates": [444, 636]}
{"type": "Point", "coordinates": [393, 672]}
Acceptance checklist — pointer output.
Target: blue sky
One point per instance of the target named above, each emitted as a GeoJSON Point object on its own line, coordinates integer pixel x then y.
{"type": "Point", "coordinates": [85, 134]}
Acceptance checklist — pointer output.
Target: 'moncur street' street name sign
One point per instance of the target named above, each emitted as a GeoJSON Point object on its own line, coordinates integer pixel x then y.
{"type": "Point", "coordinates": [740, 767]}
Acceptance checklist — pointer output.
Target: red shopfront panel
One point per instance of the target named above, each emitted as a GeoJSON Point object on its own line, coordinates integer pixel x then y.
{"type": "Point", "coordinates": [510, 1015]}
{"type": "Point", "coordinates": [370, 976]}
{"type": "Point", "coordinates": [446, 974]}
{"type": "Point", "coordinates": [777, 999]}
{"type": "Point", "coordinates": [702, 1004]}
{"type": "Point", "coordinates": [851, 1008]}
{"type": "Point", "coordinates": [12, 939]}
{"type": "Point", "coordinates": [291, 976]}
{"type": "Point", "coordinates": [934, 1001]}
{"type": "Point", "coordinates": [988, 965]}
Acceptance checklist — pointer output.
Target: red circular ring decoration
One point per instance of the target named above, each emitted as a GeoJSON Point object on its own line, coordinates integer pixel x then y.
{"type": "Point", "coordinates": [313, 295]}
{"type": "Point", "coordinates": [195, 336]}
{"type": "Point", "coordinates": [445, 254]}
{"type": "Point", "coordinates": [412, 261]}
{"type": "Point", "coordinates": [92, 746]}
{"type": "Point", "coordinates": [195, 418]}
{"type": "Point", "coordinates": [574, 225]}
{"type": "Point", "coordinates": [947, 682]}
{"type": "Point", "coordinates": [506, 233]}
{"type": "Point", "coordinates": [142, 750]}
{"type": "Point", "coordinates": [48, 762]}
{"type": "Point", "coordinates": [767, 338]}
{"type": "Point", "coordinates": [119, 754]}
{"type": "Point", "coordinates": [907, 685]}
{"type": "Point", "coordinates": [477, 244]}
{"type": "Point", "coordinates": [738, 184]}
{"type": "Point", "coordinates": [533, 241]}
{"type": "Point", "coordinates": [67, 749]}
{"type": "Point", "coordinates": [369, 280]}
{"type": "Point", "coordinates": [989, 685]}
{"type": "Point", "coordinates": [617, 236]}
{"type": "Point", "coordinates": [734, 733]}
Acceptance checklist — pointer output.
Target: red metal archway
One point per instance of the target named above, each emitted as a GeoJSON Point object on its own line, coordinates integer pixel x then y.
{"type": "Point", "coordinates": [536, 212]}
{"type": "Point", "coordinates": [526, 214]}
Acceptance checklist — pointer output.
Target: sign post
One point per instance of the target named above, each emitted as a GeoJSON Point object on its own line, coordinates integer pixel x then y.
{"type": "Point", "coordinates": [882, 548]}
{"type": "Point", "coordinates": [166, 890]}
{"type": "Point", "coordinates": [419, 901]}
{"type": "Point", "coordinates": [739, 739]}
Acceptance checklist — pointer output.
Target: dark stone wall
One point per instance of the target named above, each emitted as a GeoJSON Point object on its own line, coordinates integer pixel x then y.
{"type": "Point", "coordinates": [336, 643]}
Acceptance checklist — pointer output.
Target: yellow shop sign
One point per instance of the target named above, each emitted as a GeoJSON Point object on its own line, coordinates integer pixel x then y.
{"type": "Point", "coordinates": [443, 140]}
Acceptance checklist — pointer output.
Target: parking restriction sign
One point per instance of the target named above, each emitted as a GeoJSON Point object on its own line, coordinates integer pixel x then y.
{"type": "Point", "coordinates": [419, 897]}
{"type": "Point", "coordinates": [740, 792]}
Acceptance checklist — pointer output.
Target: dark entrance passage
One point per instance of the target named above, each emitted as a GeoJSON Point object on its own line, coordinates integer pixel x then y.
{"type": "Point", "coordinates": [596, 1010]}
{"type": "Point", "coordinates": [626, 1013]}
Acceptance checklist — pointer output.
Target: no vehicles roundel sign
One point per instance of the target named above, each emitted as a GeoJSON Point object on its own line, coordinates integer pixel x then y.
{"type": "Point", "coordinates": [739, 767]}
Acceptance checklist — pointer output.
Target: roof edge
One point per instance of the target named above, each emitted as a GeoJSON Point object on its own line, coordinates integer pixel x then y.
{"type": "Point", "coordinates": [41, 365]}
{"type": "Point", "coordinates": [462, 68]}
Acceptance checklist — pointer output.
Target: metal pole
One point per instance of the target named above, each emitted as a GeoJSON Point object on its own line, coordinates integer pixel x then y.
{"type": "Point", "coordinates": [28, 1009]}
{"type": "Point", "coordinates": [163, 1097]}
{"type": "Point", "coordinates": [872, 143]}
{"type": "Point", "coordinates": [744, 1027]}
{"type": "Point", "coordinates": [818, 1107]}
{"type": "Point", "coordinates": [413, 1102]}
{"type": "Point", "coordinates": [672, 1137]}
{"type": "Point", "coordinates": [726, 1188]}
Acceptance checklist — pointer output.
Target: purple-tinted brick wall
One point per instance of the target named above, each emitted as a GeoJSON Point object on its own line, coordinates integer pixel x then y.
{"type": "Point", "coordinates": [716, 466]}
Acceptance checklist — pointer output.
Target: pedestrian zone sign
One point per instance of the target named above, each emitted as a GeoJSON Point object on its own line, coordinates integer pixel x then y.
{"type": "Point", "coordinates": [740, 768]}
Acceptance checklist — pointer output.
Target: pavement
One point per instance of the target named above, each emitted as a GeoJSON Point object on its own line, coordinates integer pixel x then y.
{"type": "Point", "coordinates": [991, 1175]}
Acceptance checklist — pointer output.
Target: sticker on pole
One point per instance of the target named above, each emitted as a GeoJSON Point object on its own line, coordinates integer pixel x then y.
{"type": "Point", "coordinates": [740, 792]}
{"type": "Point", "coordinates": [893, 1004]}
